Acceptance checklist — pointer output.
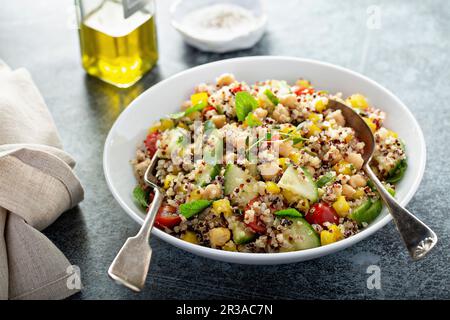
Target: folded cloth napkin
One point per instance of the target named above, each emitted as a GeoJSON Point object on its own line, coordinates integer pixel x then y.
{"type": "Point", "coordinates": [37, 184]}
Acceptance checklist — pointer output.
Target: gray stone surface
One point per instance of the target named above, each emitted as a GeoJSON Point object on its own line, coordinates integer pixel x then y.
{"type": "Point", "coordinates": [409, 55]}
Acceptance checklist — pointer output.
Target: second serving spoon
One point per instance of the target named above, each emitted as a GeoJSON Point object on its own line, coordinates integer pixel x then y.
{"type": "Point", "coordinates": [419, 239]}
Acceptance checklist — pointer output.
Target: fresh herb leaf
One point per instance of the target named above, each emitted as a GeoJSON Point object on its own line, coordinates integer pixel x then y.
{"type": "Point", "coordinates": [192, 208]}
{"type": "Point", "coordinates": [252, 121]}
{"type": "Point", "coordinates": [293, 213]}
{"type": "Point", "coordinates": [140, 196]}
{"type": "Point", "coordinates": [273, 98]}
{"type": "Point", "coordinates": [326, 179]}
{"type": "Point", "coordinates": [244, 103]}
{"type": "Point", "coordinates": [198, 107]}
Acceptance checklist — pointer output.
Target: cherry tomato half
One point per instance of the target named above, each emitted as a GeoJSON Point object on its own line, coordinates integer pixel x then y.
{"type": "Point", "coordinates": [167, 217]}
{"type": "Point", "coordinates": [151, 142]}
{"type": "Point", "coordinates": [208, 108]}
{"type": "Point", "coordinates": [321, 213]}
{"type": "Point", "coordinates": [236, 89]}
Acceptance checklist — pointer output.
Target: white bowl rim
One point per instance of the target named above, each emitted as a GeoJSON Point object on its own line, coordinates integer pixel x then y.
{"type": "Point", "coordinates": [269, 258]}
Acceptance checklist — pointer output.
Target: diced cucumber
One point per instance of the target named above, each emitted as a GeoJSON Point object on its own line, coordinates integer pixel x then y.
{"type": "Point", "coordinates": [208, 174]}
{"type": "Point", "coordinates": [241, 234]}
{"type": "Point", "coordinates": [234, 177]}
{"type": "Point", "coordinates": [301, 184]}
{"type": "Point", "coordinates": [328, 177]}
{"type": "Point", "coordinates": [300, 236]}
{"type": "Point", "coordinates": [367, 212]}
{"type": "Point", "coordinates": [397, 172]}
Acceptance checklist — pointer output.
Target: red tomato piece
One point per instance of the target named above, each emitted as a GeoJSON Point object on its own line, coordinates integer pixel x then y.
{"type": "Point", "coordinates": [236, 89]}
{"type": "Point", "coordinates": [151, 143]}
{"type": "Point", "coordinates": [321, 213]}
{"type": "Point", "coordinates": [208, 108]}
{"type": "Point", "coordinates": [167, 217]}
{"type": "Point", "coordinates": [256, 225]}
{"type": "Point", "coordinates": [302, 91]}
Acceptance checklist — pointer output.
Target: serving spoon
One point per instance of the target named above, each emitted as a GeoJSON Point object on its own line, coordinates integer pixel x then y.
{"type": "Point", "coordinates": [130, 266]}
{"type": "Point", "coordinates": [419, 239]}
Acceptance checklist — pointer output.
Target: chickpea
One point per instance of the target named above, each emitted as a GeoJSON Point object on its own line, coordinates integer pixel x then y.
{"type": "Point", "coordinates": [260, 113]}
{"type": "Point", "coordinates": [211, 192]}
{"type": "Point", "coordinates": [338, 117]}
{"type": "Point", "coordinates": [225, 80]}
{"type": "Point", "coordinates": [357, 180]}
{"type": "Point", "coordinates": [219, 236]}
{"type": "Point", "coordinates": [219, 120]}
{"type": "Point", "coordinates": [348, 191]}
{"type": "Point", "coordinates": [355, 159]}
{"type": "Point", "coordinates": [269, 170]}
{"type": "Point", "coordinates": [289, 100]}
{"type": "Point", "coordinates": [285, 148]}
{"type": "Point", "coordinates": [281, 114]}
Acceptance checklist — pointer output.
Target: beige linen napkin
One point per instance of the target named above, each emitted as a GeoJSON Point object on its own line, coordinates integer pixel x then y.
{"type": "Point", "coordinates": [37, 184]}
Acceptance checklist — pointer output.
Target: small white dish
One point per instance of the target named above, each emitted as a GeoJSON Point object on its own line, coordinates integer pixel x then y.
{"type": "Point", "coordinates": [164, 98]}
{"type": "Point", "coordinates": [220, 44]}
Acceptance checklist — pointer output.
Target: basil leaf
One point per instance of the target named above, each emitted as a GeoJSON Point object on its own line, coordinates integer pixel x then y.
{"type": "Point", "coordinates": [293, 213]}
{"type": "Point", "coordinates": [192, 208]}
{"type": "Point", "coordinates": [140, 197]}
{"type": "Point", "coordinates": [244, 104]}
{"type": "Point", "coordinates": [252, 121]}
{"type": "Point", "coordinates": [325, 179]}
{"type": "Point", "coordinates": [273, 98]}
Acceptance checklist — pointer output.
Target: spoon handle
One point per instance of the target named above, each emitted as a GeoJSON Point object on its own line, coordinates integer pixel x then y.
{"type": "Point", "coordinates": [418, 237]}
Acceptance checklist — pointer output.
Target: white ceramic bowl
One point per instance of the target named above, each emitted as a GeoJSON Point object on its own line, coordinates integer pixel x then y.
{"type": "Point", "coordinates": [165, 97]}
{"type": "Point", "coordinates": [248, 39]}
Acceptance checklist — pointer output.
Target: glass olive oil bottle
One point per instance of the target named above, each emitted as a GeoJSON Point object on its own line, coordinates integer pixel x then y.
{"type": "Point", "coordinates": [116, 48]}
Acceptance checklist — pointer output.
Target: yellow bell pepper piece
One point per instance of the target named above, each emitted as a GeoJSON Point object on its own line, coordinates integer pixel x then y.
{"type": "Point", "coordinates": [341, 206]}
{"type": "Point", "coordinates": [283, 163]}
{"type": "Point", "coordinates": [290, 196]}
{"type": "Point", "coordinates": [168, 180]}
{"type": "Point", "coordinates": [392, 134]}
{"type": "Point", "coordinates": [343, 167]}
{"type": "Point", "coordinates": [372, 126]}
{"type": "Point", "coordinates": [303, 83]}
{"type": "Point", "coordinates": [313, 130]}
{"type": "Point", "coordinates": [229, 246]}
{"type": "Point", "coordinates": [199, 97]}
{"type": "Point", "coordinates": [358, 101]}
{"type": "Point", "coordinates": [320, 105]}
{"type": "Point", "coordinates": [195, 195]}
{"type": "Point", "coordinates": [331, 235]}
{"type": "Point", "coordinates": [295, 157]}
{"type": "Point", "coordinates": [223, 206]}
{"type": "Point", "coordinates": [314, 117]}
{"type": "Point", "coordinates": [189, 236]}
{"type": "Point", "coordinates": [272, 187]}
{"type": "Point", "coordinates": [359, 193]}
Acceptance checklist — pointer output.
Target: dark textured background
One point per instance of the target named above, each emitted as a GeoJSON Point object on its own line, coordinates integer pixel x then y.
{"type": "Point", "coordinates": [409, 55]}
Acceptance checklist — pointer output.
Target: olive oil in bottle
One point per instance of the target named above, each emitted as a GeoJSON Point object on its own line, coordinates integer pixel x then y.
{"type": "Point", "coordinates": [115, 49]}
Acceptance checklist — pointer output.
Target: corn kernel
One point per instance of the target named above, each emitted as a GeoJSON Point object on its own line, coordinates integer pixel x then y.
{"type": "Point", "coordinates": [229, 246]}
{"type": "Point", "coordinates": [313, 130]}
{"type": "Point", "coordinates": [295, 157]}
{"type": "Point", "coordinates": [331, 235]}
{"type": "Point", "coordinates": [303, 83]}
{"type": "Point", "coordinates": [343, 167]}
{"type": "Point", "coordinates": [155, 128]}
{"type": "Point", "coordinates": [189, 236]}
{"type": "Point", "coordinates": [341, 206]}
{"type": "Point", "coordinates": [371, 125]}
{"type": "Point", "coordinates": [303, 205]}
{"type": "Point", "coordinates": [168, 180]}
{"type": "Point", "coordinates": [392, 134]}
{"type": "Point", "coordinates": [272, 187]}
{"type": "Point", "coordinates": [358, 101]}
{"type": "Point", "coordinates": [183, 125]}
{"type": "Point", "coordinates": [199, 97]}
{"type": "Point", "coordinates": [314, 117]}
{"type": "Point", "coordinates": [320, 105]}
{"type": "Point", "coordinates": [195, 195]}
{"type": "Point", "coordinates": [359, 193]}
{"type": "Point", "coordinates": [290, 196]}
{"type": "Point", "coordinates": [166, 124]}
{"type": "Point", "coordinates": [283, 163]}
{"type": "Point", "coordinates": [223, 206]}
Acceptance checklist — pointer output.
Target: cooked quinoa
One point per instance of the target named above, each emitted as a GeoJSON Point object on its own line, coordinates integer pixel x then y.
{"type": "Point", "coordinates": [294, 182]}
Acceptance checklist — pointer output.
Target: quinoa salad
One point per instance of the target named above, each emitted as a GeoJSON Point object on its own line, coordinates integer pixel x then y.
{"type": "Point", "coordinates": [266, 167]}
